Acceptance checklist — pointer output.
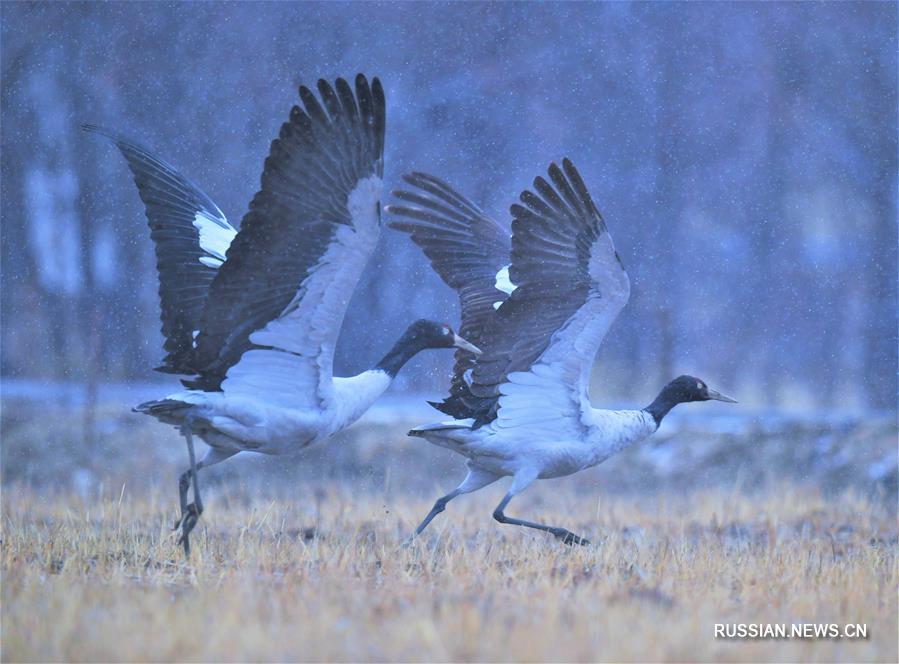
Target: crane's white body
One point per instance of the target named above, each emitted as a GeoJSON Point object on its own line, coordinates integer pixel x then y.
{"type": "Point", "coordinates": [542, 451]}
{"type": "Point", "coordinates": [236, 423]}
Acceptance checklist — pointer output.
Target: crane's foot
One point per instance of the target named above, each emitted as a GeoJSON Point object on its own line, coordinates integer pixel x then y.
{"type": "Point", "coordinates": [187, 523]}
{"type": "Point", "coordinates": [569, 538]}
{"type": "Point", "coordinates": [184, 514]}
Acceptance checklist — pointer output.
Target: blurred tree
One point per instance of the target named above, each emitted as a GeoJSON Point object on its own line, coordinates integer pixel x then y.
{"type": "Point", "coordinates": [744, 156]}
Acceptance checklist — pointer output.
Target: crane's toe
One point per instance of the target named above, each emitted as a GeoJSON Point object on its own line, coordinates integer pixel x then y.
{"type": "Point", "coordinates": [191, 509]}
{"type": "Point", "coordinates": [569, 538]}
{"type": "Point", "coordinates": [188, 521]}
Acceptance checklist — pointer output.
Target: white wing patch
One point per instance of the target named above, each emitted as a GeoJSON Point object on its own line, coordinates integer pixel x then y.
{"type": "Point", "coordinates": [215, 238]}
{"type": "Point", "coordinates": [535, 396]}
{"type": "Point", "coordinates": [214, 263]}
{"type": "Point", "coordinates": [275, 376]}
{"type": "Point", "coordinates": [504, 284]}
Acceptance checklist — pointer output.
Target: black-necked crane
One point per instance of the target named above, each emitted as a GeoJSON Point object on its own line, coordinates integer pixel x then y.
{"type": "Point", "coordinates": [254, 315]}
{"type": "Point", "coordinates": [538, 305]}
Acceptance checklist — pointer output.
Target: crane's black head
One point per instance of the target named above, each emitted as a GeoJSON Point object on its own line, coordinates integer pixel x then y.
{"type": "Point", "coordinates": [683, 389]}
{"type": "Point", "coordinates": [418, 336]}
{"type": "Point", "coordinates": [428, 334]}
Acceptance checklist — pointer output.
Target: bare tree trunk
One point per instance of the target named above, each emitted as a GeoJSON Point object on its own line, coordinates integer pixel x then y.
{"type": "Point", "coordinates": [91, 313]}
{"type": "Point", "coordinates": [880, 343]}
{"type": "Point", "coordinates": [667, 349]}
{"type": "Point", "coordinates": [670, 155]}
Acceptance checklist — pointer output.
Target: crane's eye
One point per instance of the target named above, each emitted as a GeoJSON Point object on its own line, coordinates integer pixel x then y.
{"type": "Point", "coordinates": [700, 386]}
{"type": "Point", "coordinates": [446, 331]}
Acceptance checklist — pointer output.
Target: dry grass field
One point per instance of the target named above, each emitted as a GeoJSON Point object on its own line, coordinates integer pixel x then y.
{"type": "Point", "coordinates": [102, 579]}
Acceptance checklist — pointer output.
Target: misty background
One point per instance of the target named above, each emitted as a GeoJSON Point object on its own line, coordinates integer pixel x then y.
{"type": "Point", "coordinates": [743, 156]}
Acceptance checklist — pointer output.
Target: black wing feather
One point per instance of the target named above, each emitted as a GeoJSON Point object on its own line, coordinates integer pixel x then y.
{"type": "Point", "coordinates": [552, 235]}
{"type": "Point", "coordinates": [172, 202]}
{"type": "Point", "coordinates": [466, 249]}
{"type": "Point", "coordinates": [318, 158]}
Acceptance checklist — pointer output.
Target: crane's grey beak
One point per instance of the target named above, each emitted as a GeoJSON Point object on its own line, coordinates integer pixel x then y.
{"type": "Point", "coordinates": [459, 342]}
{"type": "Point", "coordinates": [717, 396]}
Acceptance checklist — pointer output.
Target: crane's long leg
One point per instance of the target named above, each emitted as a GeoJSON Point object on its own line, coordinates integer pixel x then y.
{"type": "Point", "coordinates": [190, 514]}
{"type": "Point", "coordinates": [476, 479]}
{"type": "Point", "coordinates": [519, 484]}
{"type": "Point", "coordinates": [213, 456]}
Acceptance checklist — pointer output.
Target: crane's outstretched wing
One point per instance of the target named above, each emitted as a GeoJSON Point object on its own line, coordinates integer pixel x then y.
{"type": "Point", "coordinates": [276, 305]}
{"type": "Point", "coordinates": [467, 249]}
{"type": "Point", "coordinates": [569, 287]}
{"type": "Point", "coordinates": [191, 237]}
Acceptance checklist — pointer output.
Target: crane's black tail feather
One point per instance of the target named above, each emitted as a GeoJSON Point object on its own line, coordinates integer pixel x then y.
{"type": "Point", "coordinates": [161, 407]}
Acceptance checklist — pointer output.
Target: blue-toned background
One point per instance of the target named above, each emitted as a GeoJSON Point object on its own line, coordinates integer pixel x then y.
{"type": "Point", "coordinates": [744, 156]}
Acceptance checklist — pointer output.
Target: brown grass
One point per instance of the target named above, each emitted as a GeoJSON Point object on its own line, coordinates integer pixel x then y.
{"type": "Point", "coordinates": [103, 580]}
